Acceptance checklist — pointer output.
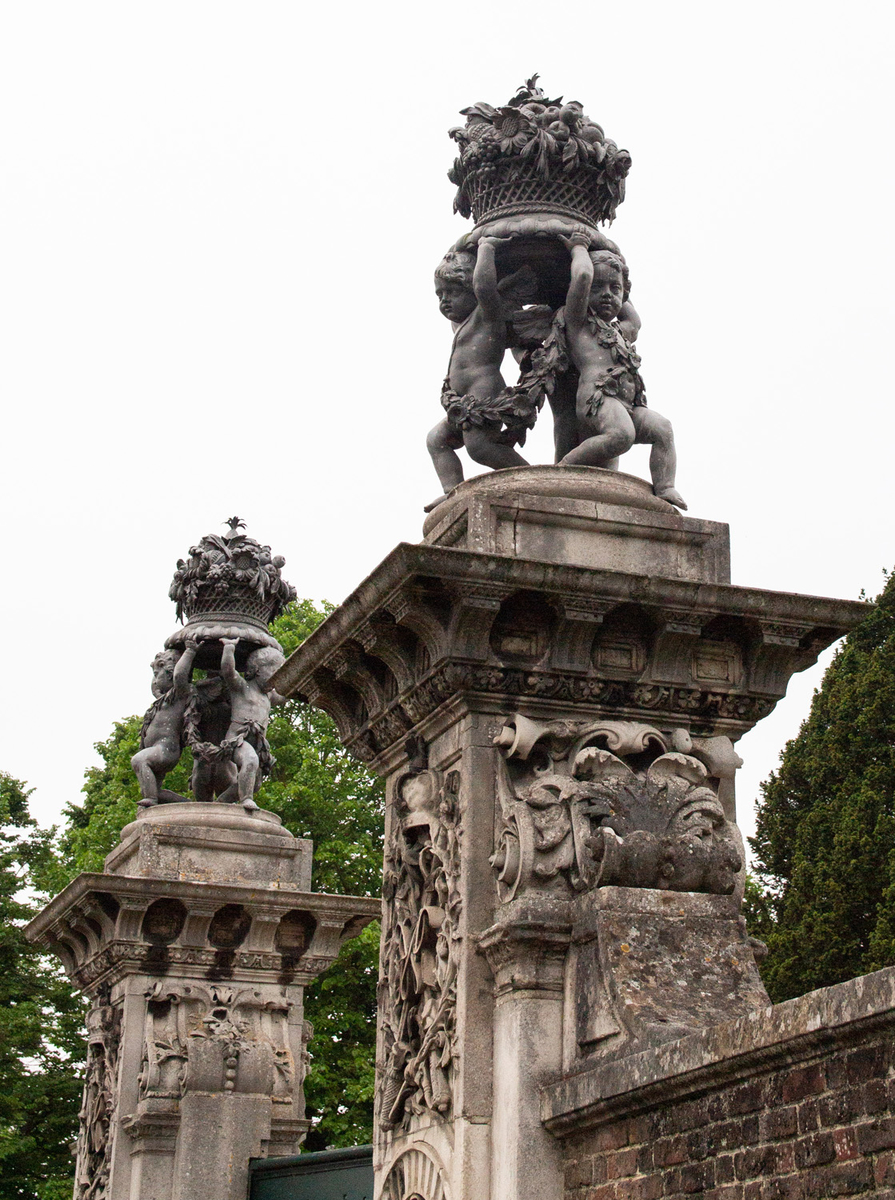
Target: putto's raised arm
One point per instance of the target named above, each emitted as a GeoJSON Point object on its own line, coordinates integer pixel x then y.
{"type": "Point", "coordinates": [484, 279]}
{"type": "Point", "coordinates": [229, 673]}
{"type": "Point", "coordinates": [184, 667]}
{"type": "Point", "coordinates": [582, 278]}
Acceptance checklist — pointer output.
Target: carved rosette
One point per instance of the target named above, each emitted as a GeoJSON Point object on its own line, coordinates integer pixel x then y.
{"type": "Point", "coordinates": [590, 804]}
{"type": "Point", "coordinates": [420, 952]}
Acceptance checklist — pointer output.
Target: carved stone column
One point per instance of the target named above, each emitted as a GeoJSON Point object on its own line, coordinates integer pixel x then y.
{"type": "Point", "coordinates": [552, 687]}
{"type": "Point", "coordinates": [194, 945]}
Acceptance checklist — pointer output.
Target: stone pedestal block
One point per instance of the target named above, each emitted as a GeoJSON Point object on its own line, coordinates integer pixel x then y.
{"type": "Point", "coordinates": [212, 842]}
{"type": "Point", "coordinates": [649, 966]}
{"type": "Point", "coordinates": [552, 687]}
{"type": "Point", "coordinates": [194, 945]}
{"type": "Point", "coordinates": [582, 516]}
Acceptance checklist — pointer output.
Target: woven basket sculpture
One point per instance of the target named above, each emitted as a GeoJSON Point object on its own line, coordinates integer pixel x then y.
{"type": "Point", "coordinates": [536, 155]}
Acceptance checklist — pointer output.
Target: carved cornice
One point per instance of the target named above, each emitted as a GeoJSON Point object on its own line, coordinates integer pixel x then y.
{"type": "Point", "coordinates": [713, 657]}
{"type": "Point", "coordinates": [728, 710]}
{"type": "Point", "coordinates": [96, 952]}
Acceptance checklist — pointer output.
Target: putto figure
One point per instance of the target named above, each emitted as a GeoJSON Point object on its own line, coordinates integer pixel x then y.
{"type": "Point", "coordinates": [251, 697]}
{"type": "Point", "coordinates": [539, 177]}
{"type": "Point", "coordinates": [161, 737]}
{"type": "Point", "coordinates": [229, 590]}
{"type": "Point", "coordinates": [611, 401]}
{"type": "Point", "coordinates": [482, 413]}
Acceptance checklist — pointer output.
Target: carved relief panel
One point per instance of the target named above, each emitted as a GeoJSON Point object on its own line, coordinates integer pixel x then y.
{"type": "Point", "coordinates": [215, 1039]}
{"type": "Point", "coordinates": [587, 804]}
{"type": "Point", "coordinates": [419, 961]}
{"type": "Point", "coordinates": [98, 1102]}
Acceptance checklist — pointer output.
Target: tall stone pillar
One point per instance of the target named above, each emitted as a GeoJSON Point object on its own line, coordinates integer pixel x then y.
{"type": "Point", "coordinates": [194, 945]}
{"type": "Point", "coordinates": [552, 685]}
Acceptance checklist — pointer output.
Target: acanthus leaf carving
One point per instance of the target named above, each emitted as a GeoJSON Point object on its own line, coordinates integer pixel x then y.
{"type": "Point", "coordinates": [576, 815]}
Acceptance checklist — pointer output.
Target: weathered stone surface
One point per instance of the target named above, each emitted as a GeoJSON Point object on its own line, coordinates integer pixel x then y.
{"type": "Point", "coordinates": [548, 732]}
{"type": "Point", "coordinates": [197, 1040]}
{"type": "Point", "coordinates": [214, 842]}
{"type": "Point", "coordinates": [652, 966]}
{"type": "Point", "coordinates": [582, 516]}
{"type": "Point", "coordinates": [431, 628]}
{"type": "Point", "coordinates": [790, 1101]}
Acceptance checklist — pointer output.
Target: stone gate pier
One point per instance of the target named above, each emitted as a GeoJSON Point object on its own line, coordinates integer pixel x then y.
{"type": "Point", "coordinates": [552, 684]}
{"type": "Point", "coordinates": [194, 945]}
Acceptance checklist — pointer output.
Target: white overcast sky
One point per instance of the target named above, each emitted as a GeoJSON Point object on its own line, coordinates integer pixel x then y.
{"type": "Point", "coordinates": [219, 225]}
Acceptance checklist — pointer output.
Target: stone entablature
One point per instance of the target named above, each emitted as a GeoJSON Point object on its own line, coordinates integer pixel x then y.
{"type": "Point", "coordinates": [431, 624]}
{"type": "Point", "coordinates": [104, 927]}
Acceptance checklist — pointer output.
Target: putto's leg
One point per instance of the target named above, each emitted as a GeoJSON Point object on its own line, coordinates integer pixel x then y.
{"type": "Point", "coordinates": [614, 436]}
{"type": "Point", "coordinates": [652, 428]}
{"type": "Point", "coordinates": [482, 447]}
{"type": "Point", "coordinates": [149, 766]}
{"type": "Point", "coordinates": [443, 443]}
{"type": "Point", "coordinates": [247, 767]}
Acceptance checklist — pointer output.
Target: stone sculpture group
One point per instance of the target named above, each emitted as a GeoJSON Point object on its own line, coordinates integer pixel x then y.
{"type": "Point", "coordinates": [229, 590]}
{"type": "Point", "coordinates": [537, 277]}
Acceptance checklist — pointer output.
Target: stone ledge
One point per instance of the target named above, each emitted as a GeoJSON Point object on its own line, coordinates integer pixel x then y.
{"type": "Point", "coordinates": [407, 561]}
{"type": "Point", "coordinates": [797, 1029]}
{"type": "Point", "coordinates": [133, 886]}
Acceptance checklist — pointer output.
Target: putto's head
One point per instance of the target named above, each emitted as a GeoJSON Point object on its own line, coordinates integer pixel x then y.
{"type": "Point", "coordinates": [453, 285]}
{"type": "Point", "coordinates": [163, 671]}
{"type": "Point", "coordinates": [262, 665]}
{"type": "Point", "coordinates": [611, 284]}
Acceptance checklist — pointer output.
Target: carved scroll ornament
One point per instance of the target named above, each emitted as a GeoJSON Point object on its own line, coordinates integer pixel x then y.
{"type": "Point", "coordinates": [588, 804]}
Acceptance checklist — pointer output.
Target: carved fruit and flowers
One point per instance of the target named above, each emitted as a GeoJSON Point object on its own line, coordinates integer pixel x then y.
{"type": "Point", "coordinates": [554, 138]}
{"type": "Point", "coordinates": [218, 564]}
{"type": "Point", "coordinates": [589, 804]}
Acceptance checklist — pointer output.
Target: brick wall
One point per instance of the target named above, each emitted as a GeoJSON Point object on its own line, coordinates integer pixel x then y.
{"type": "Point", "coordinates": [795, 1102]}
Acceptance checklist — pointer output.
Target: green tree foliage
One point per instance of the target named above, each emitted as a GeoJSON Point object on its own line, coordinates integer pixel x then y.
{"type": "Point", "coordinates": [825, 832]}
{"type": "Point", "coordinates": [41, 1042]}
{"type": "Point", "coordinates": [321, 793]}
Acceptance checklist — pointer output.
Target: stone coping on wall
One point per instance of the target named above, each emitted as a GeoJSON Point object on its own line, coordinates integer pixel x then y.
{"type": "Point", "coordinates": [797, 1029]}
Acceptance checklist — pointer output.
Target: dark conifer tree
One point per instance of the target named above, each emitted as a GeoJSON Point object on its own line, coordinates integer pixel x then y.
{"type": "Point", "coordinates": [825, 833]}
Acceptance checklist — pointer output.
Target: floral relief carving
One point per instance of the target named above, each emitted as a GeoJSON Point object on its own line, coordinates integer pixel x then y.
{"type": "Point", "coordinates": [419, 963]}
{"type": "Point", "coordinates": [98, 1103]}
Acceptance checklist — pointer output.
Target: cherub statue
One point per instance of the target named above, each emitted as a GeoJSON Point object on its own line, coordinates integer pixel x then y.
{"type": "Point", "coordinates": [482, 413]}
{"type": "Point", "coordinates": [251, 697]}
{"type": "Point", "coordinates": [611, 401]}
{"type": "Point", "coordinates": [161, 736]}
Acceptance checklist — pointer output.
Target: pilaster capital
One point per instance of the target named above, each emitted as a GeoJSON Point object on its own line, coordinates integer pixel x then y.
{"type": "Point", "coordinates": [526, 947]}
